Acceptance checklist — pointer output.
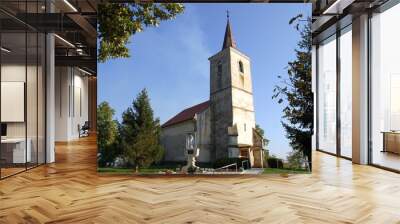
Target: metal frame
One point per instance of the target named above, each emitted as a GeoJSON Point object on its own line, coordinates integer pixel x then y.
{"type": "Point", "coordinates": [339, 32]}
{"type": "Point", "coordinates": [338, 98]}
{"type": "Point", "coordinates": [318, 92]}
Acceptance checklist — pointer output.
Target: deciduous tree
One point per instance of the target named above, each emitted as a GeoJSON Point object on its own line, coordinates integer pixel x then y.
{"type": "Point", "coordinates": [107, 133]}
{"type": "Point", "coordinates": [119, 21]}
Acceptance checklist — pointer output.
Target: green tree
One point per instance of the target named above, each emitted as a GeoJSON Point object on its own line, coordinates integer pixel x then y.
{"type": "Point", "coordinates": [260, 130]}
{"type": "Point", "coordinates": [119, 21]}
{"type": "Point", "coordinates": [295, 159]}
{"type": "Point", "coordinates": [295, 91]}
{"type": "Point", "coordinates": [262, 133]}
{"type": "Point", "coordinates": [141, 133]}
{"type": "Point", "coordinates": [107, 133]}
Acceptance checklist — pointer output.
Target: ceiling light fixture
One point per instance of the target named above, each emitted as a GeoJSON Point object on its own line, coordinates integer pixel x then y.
{"type": "Point", "coordinates": [337, 7]}
{"type": "Point", "coordinates": [84, 71]}
{"type": "Point", "coordinates": [65, 41]}
{"type": "Point", "coordinates": [5, 50]}
{"type": "Point", "coordinates": [70, 5]}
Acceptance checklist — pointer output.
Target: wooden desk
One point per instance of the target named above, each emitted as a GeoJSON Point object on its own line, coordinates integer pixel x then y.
{"type": "Point", "coordinates": [13, 150]}
{"type": "Point", "coordinates": [391, 141]}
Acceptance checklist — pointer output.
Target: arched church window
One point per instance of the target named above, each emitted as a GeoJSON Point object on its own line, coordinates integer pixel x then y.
{"type": "Point", "coordinates": [241, 69]}
{"type": "Point", "coordinates": [219, 75]}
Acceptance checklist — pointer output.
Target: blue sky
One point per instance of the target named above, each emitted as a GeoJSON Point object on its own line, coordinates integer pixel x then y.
{"type": "Point", "coordinates": [171, 61]}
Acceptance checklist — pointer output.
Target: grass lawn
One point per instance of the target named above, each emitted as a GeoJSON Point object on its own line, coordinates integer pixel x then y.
{"type": "Point", "coordinates": [149, 170]}
{"type": "Point", "coordinates": [284, 171]}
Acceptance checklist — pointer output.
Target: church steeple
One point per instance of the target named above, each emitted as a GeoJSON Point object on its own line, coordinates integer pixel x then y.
{"type": "Point", "coordinates": [228, 39]}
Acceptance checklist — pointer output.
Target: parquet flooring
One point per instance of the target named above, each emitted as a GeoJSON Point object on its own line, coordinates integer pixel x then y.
{"type": "Point", "coordinates": [71, 191]}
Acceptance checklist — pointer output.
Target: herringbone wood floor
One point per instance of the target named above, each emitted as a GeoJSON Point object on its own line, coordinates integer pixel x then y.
{"type": "Point", "coordinates": [70, 191]}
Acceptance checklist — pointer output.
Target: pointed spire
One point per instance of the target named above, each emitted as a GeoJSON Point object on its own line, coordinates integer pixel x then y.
{"type": "Point", "coordinates": [228, 39]}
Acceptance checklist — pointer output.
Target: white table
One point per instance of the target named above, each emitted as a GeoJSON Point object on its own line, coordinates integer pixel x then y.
{"type": "Point", "coordinates": [19, 153]}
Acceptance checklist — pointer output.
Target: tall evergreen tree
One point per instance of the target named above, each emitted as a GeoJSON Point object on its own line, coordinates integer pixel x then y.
{"type": "Point", "coordinates": [296, 92]}
{"type": "Point", "coordinates": [141, 133]}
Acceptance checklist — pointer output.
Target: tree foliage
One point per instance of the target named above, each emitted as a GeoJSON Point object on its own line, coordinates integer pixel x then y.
{"type": "Point", "coordinates": [107, 135]}
{"type": "Point", "coordinates": [140, 133]}
{"type": "Point", "coordinates": [296, 93]}
{"type": "Point", "coordinates": [119, 21]}
{"type": "Point", "coordinates": [262, 133]}
{"type": "Point", "coordinates": [260, 130]}
{"type": "Point", "coordinates": [295, 159]}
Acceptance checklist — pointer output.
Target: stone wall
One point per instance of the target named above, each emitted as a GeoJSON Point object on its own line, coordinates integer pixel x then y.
{"type": "Point", "coordinates": [232, 102]}
{"type": "Point", "coordinates": [220, 103]}
{"type": "Point", "coordinates": [203, 135]}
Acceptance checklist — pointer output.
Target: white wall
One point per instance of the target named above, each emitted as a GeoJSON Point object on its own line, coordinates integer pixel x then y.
{"type": "Point", "coordinates": [33, 126]}
{"type": "Point", "coordinates": [71, 102]}
{"type": "Point", "coordinates": [173, 139]}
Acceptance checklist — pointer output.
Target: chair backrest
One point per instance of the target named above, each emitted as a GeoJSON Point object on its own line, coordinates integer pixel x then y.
{"type": "Point", "coordinates": [86, 125]}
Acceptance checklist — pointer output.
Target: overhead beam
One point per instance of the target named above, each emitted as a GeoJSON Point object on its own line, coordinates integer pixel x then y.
{"type": "Point", "coordinates": [78, 61]}
{"type": "Point", "coordinates": [86, 26]}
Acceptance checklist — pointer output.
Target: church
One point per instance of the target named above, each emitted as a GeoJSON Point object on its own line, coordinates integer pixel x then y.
{"type": "Point", "coordinates": [223, 126]}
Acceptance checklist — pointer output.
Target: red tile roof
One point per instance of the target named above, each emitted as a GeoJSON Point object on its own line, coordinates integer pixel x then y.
{"type": "Point", "coordinates": [186, 114]}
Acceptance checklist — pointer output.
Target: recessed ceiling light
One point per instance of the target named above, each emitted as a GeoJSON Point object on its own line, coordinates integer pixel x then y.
{"type": "Point", "coordinates": [65, 41]}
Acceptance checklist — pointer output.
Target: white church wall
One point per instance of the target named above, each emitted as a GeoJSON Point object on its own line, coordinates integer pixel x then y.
{"type": "Point", "coordinates": [173, 139]}
{"type": "Point", "coordinates": [239, 79]}
{"type": "Point", "coordinates": [242, 98]}
{"type": "Point", "coordinates": [245, 122]}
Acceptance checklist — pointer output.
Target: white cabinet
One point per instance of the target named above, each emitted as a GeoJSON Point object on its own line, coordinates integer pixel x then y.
{"type": "Point", "coordinates": [18, 147]}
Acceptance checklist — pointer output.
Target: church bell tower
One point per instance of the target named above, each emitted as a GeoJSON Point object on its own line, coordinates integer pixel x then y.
{"type": "Point", "coordinates": [231, 100]}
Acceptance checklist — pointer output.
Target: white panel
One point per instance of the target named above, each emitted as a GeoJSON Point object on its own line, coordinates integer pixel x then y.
{"type": "Point", "coordinates": [12, 101]}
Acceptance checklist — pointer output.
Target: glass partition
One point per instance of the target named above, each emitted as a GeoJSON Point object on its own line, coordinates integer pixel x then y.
{"type": "Point", "coordinates": [14, 151]}
{"type": "Point", "coordinates": [385, 89]}
{"type": "Point", "coordinates": [346, 92]}
{"type": "Point", "coordinates": [327, 95]}
{"type": "Point", "coordinates": [22, 101]}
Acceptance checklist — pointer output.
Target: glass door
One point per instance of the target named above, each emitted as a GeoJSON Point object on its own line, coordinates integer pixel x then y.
{"type": "Point", "coordinates": [385, 89]}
